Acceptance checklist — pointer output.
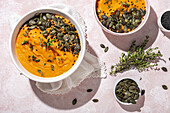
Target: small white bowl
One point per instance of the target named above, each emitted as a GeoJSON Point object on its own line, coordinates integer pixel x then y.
{"type": "Point", "coordinates": [147, 4]}
{"type": "Point", "coordinates": [124, 103]}
{"type": "Point", "coordinates": [63, 11]}
{"type": "Point", "coordinates": [159, 22]}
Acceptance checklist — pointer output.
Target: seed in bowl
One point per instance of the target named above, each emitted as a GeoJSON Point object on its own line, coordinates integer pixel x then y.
{"type": "Point", "coordinates": [120, 16]}
{"type": "Point", "coordinates": [48, 45]}
{"type": "Point", "coordinates": [127, 91]}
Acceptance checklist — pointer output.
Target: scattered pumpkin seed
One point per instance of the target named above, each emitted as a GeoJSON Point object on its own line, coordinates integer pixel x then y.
{"type": "Point", "coordinates": [106, 49]}
{"type": "Point", "coordinates": [89, 90]}
{"type": "Point", "coordinates": [164, 69]}
{"type": "Point", "coordinates": [142, 92]}
{"type": "Point", "coordinates": [164, 87]}
{"type": "Point", "coordinates": [102, 45]}
{"type": "Point", "coordinates": [95, 100]}
{"type": "Point", "coordinates": [74, 102]}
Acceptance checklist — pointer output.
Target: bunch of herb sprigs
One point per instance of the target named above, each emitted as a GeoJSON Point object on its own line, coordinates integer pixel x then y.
{"type": "Point", "coordinates": [137, 58]}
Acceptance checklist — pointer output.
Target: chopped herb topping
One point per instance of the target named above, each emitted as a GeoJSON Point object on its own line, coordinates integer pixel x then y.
{"type": "Point", "coordinates": [40, 41]}
{"type": "Point", "coordinates": [37, 60]}
{"type": "Point", "coordinates": [52, 67]}
{"type": "Point", "coordinates": [29, 56]}
{"type": "Point", "coordinates": [31, 46]}
{"type": "Point", "coordinates": [49, 60]}
{"type": "Point", "coordinates": [44, 64]}
{"type": "Point", "coordinates": [39, 71]}
{"type": "Point", "coordinates": [33, 57]}
{"type": "Point", "coordinates": [25, 42]}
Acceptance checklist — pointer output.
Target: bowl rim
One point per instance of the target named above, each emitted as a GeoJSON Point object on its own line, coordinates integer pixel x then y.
{"type": "Point", "coordinates": [66, 74]}
{"type": "Point", "coordinates": [147, 4]}
{"type": "Point", "coordinates": [124, 103]}
{"type": "Point", "coordinates": [159, 21]}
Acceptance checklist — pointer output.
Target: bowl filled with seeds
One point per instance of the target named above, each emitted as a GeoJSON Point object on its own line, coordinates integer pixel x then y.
{"type": "Point", "coordinates": [126, 91]}
{"type": "Point", "coordinates": [47, 44]}
{"type": "Point", "coordinates": [121, 17]}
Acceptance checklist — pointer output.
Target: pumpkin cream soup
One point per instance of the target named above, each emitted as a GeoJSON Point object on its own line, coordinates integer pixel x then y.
{"type": "Point", "coordinates": [48, 45]}
{"type": "Point", "coordinates": [120, 16]}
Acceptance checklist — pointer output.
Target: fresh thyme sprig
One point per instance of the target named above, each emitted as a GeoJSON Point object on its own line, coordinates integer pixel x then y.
{"type": "Point", "coordinates": [137, 58]}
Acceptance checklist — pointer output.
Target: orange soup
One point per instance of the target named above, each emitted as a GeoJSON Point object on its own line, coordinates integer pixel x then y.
{"type": "Point", "coordinates": [48, 45]}
{"type": "Point", "coordinates": [120, 16]}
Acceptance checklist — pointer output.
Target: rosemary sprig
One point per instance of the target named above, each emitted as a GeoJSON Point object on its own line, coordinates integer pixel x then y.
{"type": "Point", "coordinates": [137, 58]}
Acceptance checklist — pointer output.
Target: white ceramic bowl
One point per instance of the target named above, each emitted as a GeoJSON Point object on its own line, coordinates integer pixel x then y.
{"type": "Point", "coordinates": [124, 103]}
{"type": "Point", "coordinates": [147, 4]}
{"type": "Point", "coordinates": [160, 24]}
{"type": "Point", "coordinates": [61, 11]}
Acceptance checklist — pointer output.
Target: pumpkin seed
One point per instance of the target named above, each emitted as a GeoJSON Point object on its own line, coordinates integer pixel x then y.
{"type": "Point", "coordinates": [106, 49]}
{"type": "Point", "coordinates": [49, 16]}
{"type": "Point", "coordinates": [53, 32]}
{"type": "Point", "coordinates": [48, 24]}
{"type": "Point", "coordinates": [74, 102]}
{"type": "Point", "coordinates": [42, 28]}
{"type": "Point", "coordinates": [104, 16]}
{"type": "Point", "coordinates": [164, 87]}
{"type": "Point", "coordinates": [32, 22]}
{"type": "Point", "coordinates": [33, 26]}
{"type": "Point", "coordinates": [164, 69]}
{"type": "Point", "coordinates": [44, 17]}
{"type": "Point", "coordinates": [102, 45]}
{"type": "Point", "coordinates": [89, 90]}
{"type": "Point", "coordinates": [143, 92]}
{"type": "Point", "coordinates": [95, 100]}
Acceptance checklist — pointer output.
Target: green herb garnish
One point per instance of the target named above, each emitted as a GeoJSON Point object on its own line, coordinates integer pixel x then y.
{"type": "Point", "coordinates": [137, 58]}
{"type": "Point", "coordinates": [126, 4]}
{"type": "Point", "coordinates": [44, 64]}
{"type": "Point", "coordinates": [40, 41]}
{"type": "Point", "coordinates": [25, 42]}
{"type": "Point", "coordinates": [37, 60]}
{"type": "Point", "coordinates": [48, 43]}
{"type": "Point", "coordinates": [26, 33]}
{"type": "Point", "coordinates": [31, 46]}
{"type": "Point", "coordinates": [52, 67]}
{"type": "Point", "coordinates": [39, 71]}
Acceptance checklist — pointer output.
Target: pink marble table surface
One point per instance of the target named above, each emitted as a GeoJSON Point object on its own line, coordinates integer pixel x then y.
{"type": "Point", "coordinates": [18, 94]}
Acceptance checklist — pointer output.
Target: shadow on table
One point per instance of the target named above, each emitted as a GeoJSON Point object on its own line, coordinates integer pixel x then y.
{"type": "Point", "coordinates": [166, 34]}
{"type": "Point", "coordinates": [134, 107]}
{"type": "Point", "coordinates": [150, 28]}
{"type": "Point", "coordinates": [64, 102]}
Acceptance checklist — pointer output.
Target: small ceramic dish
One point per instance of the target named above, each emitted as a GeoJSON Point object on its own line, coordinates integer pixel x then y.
{"type": "Point", "coordinates": [114, 90]}
{"type": "Point", "coordinates": [160, 21]}
{"type": "Point", "coordinates": [147, 4]}
{"type": "Point", "coordinates": [63, 11]}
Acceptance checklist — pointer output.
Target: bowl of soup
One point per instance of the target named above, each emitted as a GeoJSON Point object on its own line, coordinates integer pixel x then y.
{"type": "Point", "coordinates": [47, 45]}
{"type": "Point", "coordinates": [121, 17]}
